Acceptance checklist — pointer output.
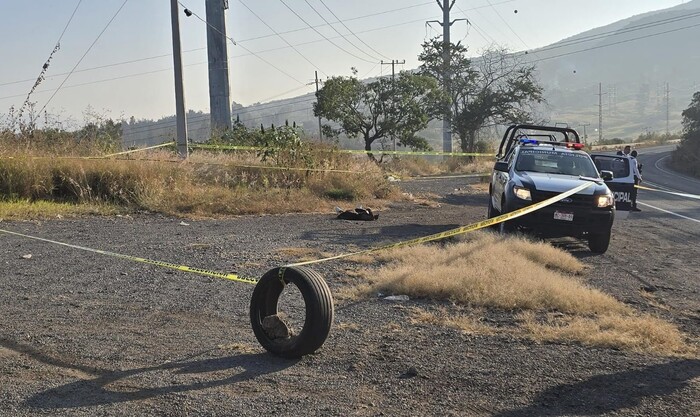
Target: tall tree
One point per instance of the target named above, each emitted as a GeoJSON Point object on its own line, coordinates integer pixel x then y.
{"type": "Point", "coordinates": [496, 88]}
{"type": "Point", "coordinates": [380, 109]}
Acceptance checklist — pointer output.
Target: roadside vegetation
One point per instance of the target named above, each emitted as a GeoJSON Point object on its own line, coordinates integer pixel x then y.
{"type": "Point", "coordinates": [50, 173]}
{"type": "Point", "coordinates": [686, 158]}
{"type": "Point", "coordinates": [534, 282]}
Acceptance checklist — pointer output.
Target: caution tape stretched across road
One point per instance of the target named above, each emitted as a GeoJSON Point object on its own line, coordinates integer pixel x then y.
{"type": "Point", "coordinates": [184, 268]}
{"type": "Point", "coordinates": [693, 196]}
{"type": "Point", "coordinates": [349, 151]}
{"type": "Point", "coordinates": [235, 277]}
{"type": "Point", "coordinates": [458, 231]}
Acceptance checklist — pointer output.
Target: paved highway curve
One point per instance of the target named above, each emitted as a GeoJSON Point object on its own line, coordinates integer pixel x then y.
{"type": "Point", "coordinates": [657, 174]}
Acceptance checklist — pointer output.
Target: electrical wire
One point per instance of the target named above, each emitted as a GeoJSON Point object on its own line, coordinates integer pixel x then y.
{"type": "Point", "coordinates": [372, 57]}
{"type": "Point", "coordinates": [81, 58]}
{"type": "Point", "coordinates": [347, 20]}
{"type": "Point", "coordinates": [243, 47]}
{"type": "Point", "coordinates": [622, 31]}
{"type": "Point", "coordinates": [322, 35]}
{"type": "Point", "coordinates": [614, 43]}
{"type": "Point", "coordinates": [282, 37]}
{"type": "Point", "coordinates": [508, 25]}
{"type": "Point", "coordinates": [353, 33]}
{"type": "Point", "coordinates": [45, 67]}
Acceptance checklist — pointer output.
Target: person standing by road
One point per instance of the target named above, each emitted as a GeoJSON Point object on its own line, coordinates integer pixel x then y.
{"type": "Point", "coordinates": [637, 178]}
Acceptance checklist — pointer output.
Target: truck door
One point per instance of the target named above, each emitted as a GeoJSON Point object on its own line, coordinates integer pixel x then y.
{"type": "Point", "coordinates": [622, 183]}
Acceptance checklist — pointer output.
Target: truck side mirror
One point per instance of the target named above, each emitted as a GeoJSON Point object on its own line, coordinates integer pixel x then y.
{"type": "Point", "coordinates": [501, 166]}
{"type": "Point", "coordinates": [606, 175]}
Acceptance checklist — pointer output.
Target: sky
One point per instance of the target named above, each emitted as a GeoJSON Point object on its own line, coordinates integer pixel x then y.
{"type": "Point", "coordinates": [128, 72]}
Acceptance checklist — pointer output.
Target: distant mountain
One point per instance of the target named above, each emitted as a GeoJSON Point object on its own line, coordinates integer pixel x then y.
{"type": "Point", "coordinates": [633, 59]}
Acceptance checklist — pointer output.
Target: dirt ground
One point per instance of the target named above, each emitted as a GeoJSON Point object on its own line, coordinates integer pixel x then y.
{"type": "Point", "coordinates": [87, 334]}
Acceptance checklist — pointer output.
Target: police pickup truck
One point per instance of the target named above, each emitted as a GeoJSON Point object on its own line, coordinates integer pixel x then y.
{"type": "Point", "coordinates": [535, 163]}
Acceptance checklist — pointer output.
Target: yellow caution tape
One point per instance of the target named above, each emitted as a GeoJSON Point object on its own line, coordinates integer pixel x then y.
{"type": "Point", "coordinates": [460, 230]}
{"type": "Point", "coordinates": [162, 145]}
{"type": "Point", "coordinates": [184, 268]}
{"type": "Point", "coordinates": [693, 196]}
{"type": "Point", "coordinates": [349, 151]}
{"type": "Point", "coordinates": [234, 277]}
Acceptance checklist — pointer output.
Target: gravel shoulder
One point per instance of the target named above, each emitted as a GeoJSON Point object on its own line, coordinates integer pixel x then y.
{"type": "Point", "coordinates": [86, 334]}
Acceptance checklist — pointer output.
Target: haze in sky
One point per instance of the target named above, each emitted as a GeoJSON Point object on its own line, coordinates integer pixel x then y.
{"type": "Point", "coordinates": [128, 72]}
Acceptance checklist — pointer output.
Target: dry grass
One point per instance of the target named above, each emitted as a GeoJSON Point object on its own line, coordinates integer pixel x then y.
{"type": "Point", "coordinates": [514, 274]}
{"type": "Point", "coordinates": [206, 185]}
{"type": "Point", "coordinates": [35, 210]}
{"type": "Point", "coordinates": [474, 272]}
{"type": "Point", "coordinates": [466, 323]}
{"type": "Point", "coordinates": [638, 333]}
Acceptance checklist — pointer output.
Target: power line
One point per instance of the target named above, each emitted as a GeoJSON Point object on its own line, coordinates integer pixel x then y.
{"type": "Point", "coordinates": [371, 15]}
{"type": "Point", "coordinates": [281, 37]}
{"type": "Point", "coordinates": [249, 53]}
{"type": "Point", "coordinates": [106, 66]}
{"type": "Point", "coordinates": [347, 20]}
{"type": "Point", "coordinates": [322, 35]}
{"type": "Point", "coordinates": [353, 33]}
{"type": "Point", "coordinates": [629, 29]}
{"type": "Point", "coordinates": [614, 43]}
{"type": "Point", "coordinates": [507, 24]}
{"type": "Point", "coordinates": [45, 67]}
{"type": "Point", "coordinates": [83, 57]}
{"type": "Point", "coordinates": [243, 47]}
{"type": "Point", "coordinates": [338, 32]}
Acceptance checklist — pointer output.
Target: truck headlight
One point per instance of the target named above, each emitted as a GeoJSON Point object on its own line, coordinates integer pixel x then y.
{"type": "Point", "coordinates": [605, 200]}
{"type": "Point", "coordinates": [522, 193]}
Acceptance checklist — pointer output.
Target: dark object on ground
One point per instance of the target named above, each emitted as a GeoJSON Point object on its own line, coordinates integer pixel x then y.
{"type": "Point", "coordinates": [272, 333]}
{"type": "Point", "coordinates": [359, 214]}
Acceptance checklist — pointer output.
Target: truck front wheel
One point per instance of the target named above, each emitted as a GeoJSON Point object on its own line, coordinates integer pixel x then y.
{"type": "Point", "coordinates": [599, 242]}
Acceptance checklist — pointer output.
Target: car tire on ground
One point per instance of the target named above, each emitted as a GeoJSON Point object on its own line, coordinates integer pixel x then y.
{"type": "Point", "coordinates": [492, 212]}
{"type": "Point", "coordinates": [507, 226]}
{"type": "Point", "coordinates": [599, 242]}
{"type": "Point", "coordinates": [318, 304]}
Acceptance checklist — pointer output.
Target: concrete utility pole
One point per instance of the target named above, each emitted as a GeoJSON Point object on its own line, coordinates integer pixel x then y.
{"type": "Point", "coordinates": [393, 77]}
{"type": "Point", "coordinates": [600, 112]}
{"type": "Point", "coordinates": [668, 109]}
{"type": "Point", "coordinates": [219, 89]}
{"type": "Point", "coordinates": [180, 111]}
{"type": "Point", "coordinates": [446, 6]}
{"type": "Point", "coordinates": [320, 130]}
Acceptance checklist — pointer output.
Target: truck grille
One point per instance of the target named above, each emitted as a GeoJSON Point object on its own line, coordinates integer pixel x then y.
{"type": "Point", "coordinates": [577, 200]}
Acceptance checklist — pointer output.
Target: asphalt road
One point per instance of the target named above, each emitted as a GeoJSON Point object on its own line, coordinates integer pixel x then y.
{"type": "Point", "coordinates": [657, 174]}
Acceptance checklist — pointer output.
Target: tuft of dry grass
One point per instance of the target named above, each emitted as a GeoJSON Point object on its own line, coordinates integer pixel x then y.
{"type": "Point", "coordinates": [35, 210]}
{"type": "Point", "coordinates": [465, 323]}
{"type": "Point", "coordinates": [638, 333]}
{"type": "Point", "coordinates": [514, 274]}
{"type": "Point", "coordinates": [474, 272]}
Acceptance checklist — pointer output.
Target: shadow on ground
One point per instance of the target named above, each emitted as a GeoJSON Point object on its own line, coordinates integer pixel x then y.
{"type": "Point", "coordinates": [110, 387]}
{"type": "Point", "coordinates": [609, 393]}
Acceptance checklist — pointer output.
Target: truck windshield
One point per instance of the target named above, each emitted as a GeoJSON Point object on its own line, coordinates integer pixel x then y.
{"type": "Point", "coordinates": [552, 161]}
